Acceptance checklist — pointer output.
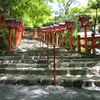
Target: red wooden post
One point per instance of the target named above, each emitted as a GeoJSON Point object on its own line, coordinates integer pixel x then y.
{"type": "Point", "coordinates": [79, 47]}
{"type": "Point", "coordinates": [20, 35]}
{"type": "Point", "coordinates": [48, 54]}
{"type": "Point", "coordinates": [49, 37]}
{"type": "Point", "coordinates": [46, 37]}
{"type": "Point", "coordinates": [62, 29]}
{"type": "Point", "coordinates": [57, 38]}
{"type": "Point", "coordinates": [15, 41]}
{"type": "Point", "coordinates": [86, 40]}
{"type": "Point", "coordinates": [63, 38]}
{"type": "Point", "coordinates": [52, 37]}
{"type": "Point", "coordinates": [71, 42]}
{"type": "Point", "coordinates": [54, 65]}
{"type": "Point", "coordinates": [56, 30]}
{"type": "Point", "coordinates": [93, 43]}
{"type": "Point", "coordinates": [69, 25]}
{"type": "Point", "coordinates": [9, 40]}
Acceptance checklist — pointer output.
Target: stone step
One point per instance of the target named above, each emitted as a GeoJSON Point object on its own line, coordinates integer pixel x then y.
{"type": "Point", "coordinates": [75, 64]}
{"type": "Point", "coordinates": [9, 61]}
{"type": "Point", "coordinates": [65, 81]}
{"type": "Point", "coordinates": [47, 71]}
{"type": "Point", "coordinates": [76, 60]}
{"type": "Point", "coordinates": [30, 65]}
{"type": "Point", "coordinates": [24, 65]}
{"type": "Point", "coordinates": [44, 51]}
{"type": "Point", "coordinates": [34, 53]}
{"type": "Point", "coordinates": [22, 57]}
{"type": "Point", "coordinates": [81, 60]}
{"type": "Point", "coordinates": [44, 57]}
{"type": "Point", "coordinates": [45, 64]}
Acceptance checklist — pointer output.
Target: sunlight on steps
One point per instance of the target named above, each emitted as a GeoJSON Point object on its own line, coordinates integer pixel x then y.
{"type": "Point", "coordinates": [32, 64]}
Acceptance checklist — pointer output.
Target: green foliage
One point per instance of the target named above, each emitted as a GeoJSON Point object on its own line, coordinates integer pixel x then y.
{"type": "Point", "coordinates": [3, 39]}
{"type": "Point", "coordinates": [94, 6]}
{"type": "Point", "coordinates": [32, 12]}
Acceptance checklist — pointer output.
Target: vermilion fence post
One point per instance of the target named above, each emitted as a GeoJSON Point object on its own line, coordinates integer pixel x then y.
{"type": "Point", "coordinates": [86, 41]}
{"type": "Point", "coordinates": [9, 40]}
{"type": "Point", "coordinates": [79, 43]}
{"type": "Point", "coordinates": [49, 37]}
{"type": "Point", "coordinates": [54, 65]}
{"type": "Point", "coordinates": [93, 43]}
{"type": "Point", "coordinates": [48, 54]}
{"type": "Point", "coordinates": [63, 38]}
{"type": "Point", "coordinates": [15, 41]}
{"type": "Point", "coordinates": [71, 42]}
{"type": "Point", "coordinates": [56, 38]}
{"type": "Point", "coordinates": [52, 37]}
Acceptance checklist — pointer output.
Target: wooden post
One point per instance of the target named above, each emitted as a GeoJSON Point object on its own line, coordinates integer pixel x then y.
{"type": "Point", "coordinates": [86, 44]}
{"type": "Point", "coordinates": [62, 38]}
{"type": "Point", "coordinates": [52, 37]}
{"type": "Point", "coordinates": [9, 40]}
{"type": "Point", "coordinates": [79, 47]}
{"type": "Point", "coordinates": [57, 38]}
{"type": "Point", "coordinates": [93, 43]}
{"type": "Point", "coordinates": [15, 40]}
{"type": "Point", "coordinates": [70, 37]}
{"type": "Point", "coordinates": [54, 65]}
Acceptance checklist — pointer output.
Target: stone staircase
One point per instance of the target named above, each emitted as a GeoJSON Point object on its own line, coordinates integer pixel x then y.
{"type": "Point", "coordinates": [30, 65]}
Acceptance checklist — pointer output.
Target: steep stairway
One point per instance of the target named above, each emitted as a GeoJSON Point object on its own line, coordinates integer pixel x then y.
{"type": "Point", "coordinates": [31, 64]}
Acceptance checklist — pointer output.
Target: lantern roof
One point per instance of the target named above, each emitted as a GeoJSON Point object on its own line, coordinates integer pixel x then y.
{"type": "Point", "coordinates": [61, 23]}
{"type": "Point", "coordinates": [56, 25]}
{"type": "Point", "coordinates": [69, 21]}
{"type": "Point", "coordinates": [10, 19]}
{"type": "Point", "coordinates": [51, 26]}
{"type": "Point", "coordinates": [84, 17]}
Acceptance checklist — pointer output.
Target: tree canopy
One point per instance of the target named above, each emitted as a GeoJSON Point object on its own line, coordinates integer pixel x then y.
{"type": "Point", "coordinates": [94, 7]}
{"type": "Point", "coordinates": [32, 12]}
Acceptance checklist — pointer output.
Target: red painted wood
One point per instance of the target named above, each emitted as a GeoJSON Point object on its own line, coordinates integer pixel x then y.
{"type": "Point", "coordinates": [9, 40]}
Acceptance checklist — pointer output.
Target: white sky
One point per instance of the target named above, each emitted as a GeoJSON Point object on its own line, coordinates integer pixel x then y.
{"type": "Point", "coordinates": [55, 6]}
{"type": "Point", "coordinates": [83, 1]}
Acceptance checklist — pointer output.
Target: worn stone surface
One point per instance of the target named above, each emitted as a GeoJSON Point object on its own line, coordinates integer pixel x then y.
{"type": "Point", "coordinates": [97, 83]}
{"type": "Point", "coordinates": [78, 72]}
{"type": "Point", "coordinates": [29, 64]}
{"type": "Point", "coordinates": [78, 83]}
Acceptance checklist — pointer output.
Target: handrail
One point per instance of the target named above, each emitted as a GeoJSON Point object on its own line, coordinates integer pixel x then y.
{"type": "Point", "coordinates": [54, 65]}
{"type": "Point", "coordinates": [47, 34]}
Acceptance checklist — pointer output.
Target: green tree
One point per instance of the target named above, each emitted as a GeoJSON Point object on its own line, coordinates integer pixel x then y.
{"type": "Point", "coordinates": [32, 12]}
{"type": "Point", "coordinates": [94, 6]}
